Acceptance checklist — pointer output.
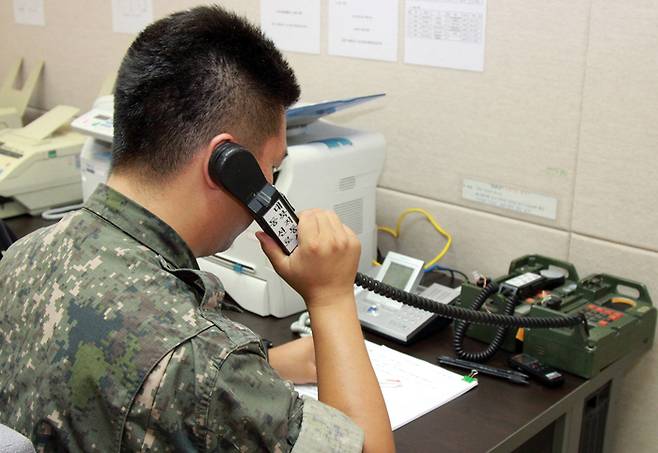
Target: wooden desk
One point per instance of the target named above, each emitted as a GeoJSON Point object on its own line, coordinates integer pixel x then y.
{"type": "Point", "coordinates": [496, 416]}
{"type": "Point", "coordinates": [25, 224]}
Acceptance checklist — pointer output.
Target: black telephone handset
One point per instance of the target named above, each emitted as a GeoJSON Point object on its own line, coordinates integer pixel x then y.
{"type": "Point", "coordinates": [237, 170]}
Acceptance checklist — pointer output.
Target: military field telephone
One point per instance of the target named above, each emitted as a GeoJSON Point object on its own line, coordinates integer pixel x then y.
{"type": "Point", "coordinates": [619, 312]}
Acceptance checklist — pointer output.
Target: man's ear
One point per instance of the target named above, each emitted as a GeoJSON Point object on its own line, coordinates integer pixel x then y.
{"type": "Point", "coordinates": [207, 152]}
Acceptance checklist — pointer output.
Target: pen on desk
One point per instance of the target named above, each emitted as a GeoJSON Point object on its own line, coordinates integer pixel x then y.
{"type": "Point", "coordinates": [510, 375]}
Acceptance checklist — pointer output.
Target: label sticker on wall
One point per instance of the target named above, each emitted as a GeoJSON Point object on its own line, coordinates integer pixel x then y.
{"type": "Point", "coordinates": [499, 196]}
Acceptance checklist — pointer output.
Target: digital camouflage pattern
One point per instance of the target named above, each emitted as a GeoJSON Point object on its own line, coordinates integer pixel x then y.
{"type": "Point", "coordinates": [113, 340]}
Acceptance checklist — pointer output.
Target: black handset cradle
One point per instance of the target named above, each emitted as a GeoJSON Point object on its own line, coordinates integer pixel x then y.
{"type": "Point", "coordinates": [237, 170]}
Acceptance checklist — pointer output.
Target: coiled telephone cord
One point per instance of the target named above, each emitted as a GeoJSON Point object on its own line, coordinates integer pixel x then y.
{"type": "Point", "coordinates": [464, 314]}
{"type": "Point", "coordinates": [460, 327]}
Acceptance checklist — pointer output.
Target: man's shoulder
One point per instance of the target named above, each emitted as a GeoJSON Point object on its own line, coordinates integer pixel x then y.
{"type": "Point", "coordinates": [69, 234]}
{"type": "Point", "coordinates": [82, 255]}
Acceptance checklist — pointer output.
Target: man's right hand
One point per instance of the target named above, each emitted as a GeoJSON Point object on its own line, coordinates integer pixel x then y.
{"type": "Point", "coordinates": [323, 267]}
{"type": "Point", "coordinates": [322, 270]}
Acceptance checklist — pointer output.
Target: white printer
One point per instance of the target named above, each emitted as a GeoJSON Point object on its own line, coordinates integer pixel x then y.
{"type": "Point", "coordinates": [39, 164]}
{"type": "Point", "coordinates": [326, 166]}
{"type": "Point", "coordinates": [96, 154]}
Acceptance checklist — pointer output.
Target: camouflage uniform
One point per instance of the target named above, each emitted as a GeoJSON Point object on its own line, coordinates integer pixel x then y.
{"type": "Point", "coordinates": [112, 339]}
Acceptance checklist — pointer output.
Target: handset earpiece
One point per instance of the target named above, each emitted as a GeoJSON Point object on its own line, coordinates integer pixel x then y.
{"type": "Point", "coordinates": [237, 170]}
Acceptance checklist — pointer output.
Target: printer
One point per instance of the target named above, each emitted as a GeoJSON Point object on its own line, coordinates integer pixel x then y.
{"type": "Point", "coordinates": [96, 154]}
{"type": "Point", "coordinates": [39, 164]}
{"type": "Point", "coordinates": [326, 166]}
{"type": "Point", "coordinates": [13, 101]}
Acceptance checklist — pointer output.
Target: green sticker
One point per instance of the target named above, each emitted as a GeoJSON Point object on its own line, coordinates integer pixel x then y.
{"type": "Point", "coordinates": [52, 154]}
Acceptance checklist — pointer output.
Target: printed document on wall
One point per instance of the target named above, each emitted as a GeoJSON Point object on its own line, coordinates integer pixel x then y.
{"type": "Point", "coordinates": [293, 25]}
{"type": "Point", "coordinates": [364, 29]}
{"type": "Point", "coordinates": [29, 12]}
{"type": "Point", "coordinates": [445, 33]}
{"type": "Point", "coordinates": [131, 16]}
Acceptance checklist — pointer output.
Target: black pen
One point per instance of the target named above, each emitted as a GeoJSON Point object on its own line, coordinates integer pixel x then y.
{"type": "Point", "coordinates": [510, 375]}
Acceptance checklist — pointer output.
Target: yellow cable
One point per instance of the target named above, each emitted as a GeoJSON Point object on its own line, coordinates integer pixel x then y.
{"type": "Point", "coordinates": [396, 232]}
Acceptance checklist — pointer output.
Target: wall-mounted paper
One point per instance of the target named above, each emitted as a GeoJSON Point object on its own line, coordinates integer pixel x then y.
{"type": "Point", "coordinates": [445, 33]}
{"type": "Point", "coordinates": [364, 29]}
{"type": "Point", "coordinates": [131, 16]}
{"type": "Point", "coordinates": [510, 198]}
{"type": "Point", "coordinates": [29, 12]}
{"type": "Point", "coordinates": [293, 25]}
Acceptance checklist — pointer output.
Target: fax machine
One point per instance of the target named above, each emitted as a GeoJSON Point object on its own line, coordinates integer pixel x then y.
{"type": "Point", "coordinates": [13, 101]}
{"type": "Point", "coordinates": [39, 164]}
{"type": "Point", "coordinates": [327, 167]}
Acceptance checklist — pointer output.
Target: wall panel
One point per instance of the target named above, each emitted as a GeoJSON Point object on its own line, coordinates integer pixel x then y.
{"type": "Point", "coordinates": [617, 184]}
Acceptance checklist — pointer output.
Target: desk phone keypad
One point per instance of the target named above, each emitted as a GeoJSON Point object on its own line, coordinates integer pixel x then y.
{"type": "Point", "coordinates": [397, 321]}
{"type": "Point", "coordinates": [598, 316]}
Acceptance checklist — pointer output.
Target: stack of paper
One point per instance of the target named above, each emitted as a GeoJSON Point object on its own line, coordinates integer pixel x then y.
{"type": "Point", "coordinates": [411, 387]}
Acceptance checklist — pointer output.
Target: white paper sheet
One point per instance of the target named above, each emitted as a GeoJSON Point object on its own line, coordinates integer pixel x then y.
{"type": "Point", "coordinates": [411, 387]}
{"type": "Point", "coordinates": [503, 197]}
{"type": "Point", "coordinates": [364, 29]}
{"type": "Point", "coordinates": [131, 16]}
{"type": "Point", "coordinates": [293, 25]}
{"type": "Point", "coordinates": [29, 12]}
{"type": "Point", "coordinates": [445, 33]}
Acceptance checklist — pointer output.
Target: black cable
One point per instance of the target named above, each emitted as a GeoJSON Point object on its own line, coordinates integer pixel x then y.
{"type": "Point", "coordinates": [472, 316]}
{"type": "Point", "coordinates": [380, 257]}
{"type": "Point", "coordinates": [460, 327]}
{"type": "Point", "coordinates": [7, 237]}
{"type": "Point", "coordinates": [452, 271]}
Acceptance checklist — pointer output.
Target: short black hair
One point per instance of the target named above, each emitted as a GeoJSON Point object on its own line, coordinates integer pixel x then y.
{"type": "Point", "coordinates": [188, 77]}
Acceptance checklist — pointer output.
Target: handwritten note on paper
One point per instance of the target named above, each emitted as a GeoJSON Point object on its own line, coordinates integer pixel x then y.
{"type": "Point", "coordinates": [364, 29]}
{"type": "Point", "coordinates": [411, 387]}
{"type": "Point", "coordinates": [131, 16]}
{"type": "Point", "coordinates": [29, 12]}
{"type": "Point", "coordinates": [293, 25]}
{"type": "Point", "coordinates": [445, 33]}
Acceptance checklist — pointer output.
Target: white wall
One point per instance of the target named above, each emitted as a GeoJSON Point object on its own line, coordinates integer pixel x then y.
{"type": "Point", "coordinates": [566, 108]}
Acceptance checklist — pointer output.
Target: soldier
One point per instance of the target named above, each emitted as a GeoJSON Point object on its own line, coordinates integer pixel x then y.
{"type": "Point", "coordinates": [112, 339]}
